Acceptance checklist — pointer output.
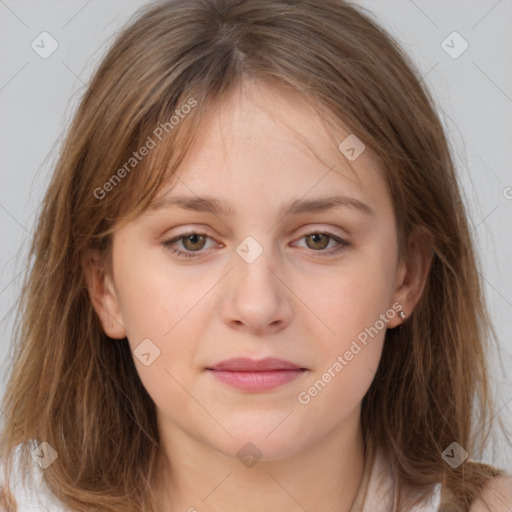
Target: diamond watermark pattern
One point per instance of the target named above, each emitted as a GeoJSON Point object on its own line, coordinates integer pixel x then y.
{"type": "Point", "coordinates": [454, 45]}
{"type": "Point", "coordinates": [351, 147]}
{"type": "Point", "coordinates": [44, 455]}
{"type": "Point", "coordinates": [455, 455]}
{"type": "Point", "coordinates": [249, 455]}
{"type": "Point", "coordinates": [44, 45]}
{"type": "Point", "coordinates": [146, 352]}
{"type": "Point", "coordinates": [249, 249]}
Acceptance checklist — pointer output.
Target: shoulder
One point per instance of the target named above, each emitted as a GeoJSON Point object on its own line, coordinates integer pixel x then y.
{"type": "Point", "coordinates": [497, 494]}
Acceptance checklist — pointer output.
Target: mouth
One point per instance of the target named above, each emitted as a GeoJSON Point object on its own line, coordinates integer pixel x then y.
{"type": "Point", "coordinates": [256, 375]}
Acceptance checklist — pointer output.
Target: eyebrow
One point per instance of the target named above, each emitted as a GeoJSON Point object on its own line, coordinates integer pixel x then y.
{"type": "Point", "coordinates": [219, 208]}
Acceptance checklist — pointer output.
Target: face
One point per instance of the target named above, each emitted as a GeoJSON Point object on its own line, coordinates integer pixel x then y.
{"type": "Point", "coordinates": [299, 264]}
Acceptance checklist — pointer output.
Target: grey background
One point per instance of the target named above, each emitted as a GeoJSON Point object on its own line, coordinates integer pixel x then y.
{"type": "Point", "coordinates": [473, 93]}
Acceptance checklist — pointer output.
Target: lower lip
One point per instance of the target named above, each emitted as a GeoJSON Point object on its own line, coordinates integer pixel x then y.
{"type": "Point", "coordinates": [257, 381]}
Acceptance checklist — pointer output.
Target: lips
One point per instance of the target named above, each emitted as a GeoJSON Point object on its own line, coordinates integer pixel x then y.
{"type": "Point", "coordinates": [256, 375]}
{"type": "Point", "coordinates": [242, 364]}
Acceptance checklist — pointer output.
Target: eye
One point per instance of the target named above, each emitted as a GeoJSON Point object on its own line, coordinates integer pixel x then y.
{"type": "Point", "coordinates": [193, 242]}
{"type": "Point", "coordinates": [318, 241]}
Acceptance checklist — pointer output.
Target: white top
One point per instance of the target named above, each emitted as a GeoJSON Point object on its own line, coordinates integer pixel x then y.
{"type": "Point", "coordinates": [39, 499]}
{"type": "Point", "coordinates": [376, 493]}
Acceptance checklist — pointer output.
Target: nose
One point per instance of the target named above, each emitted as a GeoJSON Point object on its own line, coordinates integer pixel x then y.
{"type": "Point", "coordinates": [257, 300]}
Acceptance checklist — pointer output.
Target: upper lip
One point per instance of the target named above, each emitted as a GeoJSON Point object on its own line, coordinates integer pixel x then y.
{"type": "Point", "coordinates": [243, 364]}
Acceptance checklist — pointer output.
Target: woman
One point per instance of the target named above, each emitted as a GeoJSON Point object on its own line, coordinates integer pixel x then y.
{"type": "Point", "coordinates": [257, 278]}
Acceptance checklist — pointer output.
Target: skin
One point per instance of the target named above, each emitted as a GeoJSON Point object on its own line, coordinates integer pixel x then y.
{"type": "Point", "coordinates": [292, 302]}
{"type": "Point", "coordinates": [497, 496]}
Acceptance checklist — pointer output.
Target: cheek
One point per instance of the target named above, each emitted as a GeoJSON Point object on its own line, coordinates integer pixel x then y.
{"type": "Point", "coordinates": [348, 357]}
{"type": "Point", "coordinates": [353, 297]}
{"type": "Point", "coordinates": [160, 304]}
{"type": "Point", "coordinates": [164, 309]}
{"type": "Point", "coordinates": [155, 296]}
{"type": "Point", "coordinates": [354, 303]}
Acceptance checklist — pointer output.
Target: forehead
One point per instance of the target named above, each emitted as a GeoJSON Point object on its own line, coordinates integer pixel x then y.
{"type": "Point", "coordinates": [268, 140]}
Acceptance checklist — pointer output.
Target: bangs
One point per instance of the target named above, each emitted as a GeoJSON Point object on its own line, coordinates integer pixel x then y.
{"type": "Point", "coordinates": [150, 164]}
{"type": "Point", "coordinates": [151, 160]}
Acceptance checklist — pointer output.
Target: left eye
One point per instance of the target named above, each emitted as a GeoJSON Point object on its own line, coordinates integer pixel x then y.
{"type": "Point", "coordinates": [194, 243]}
{"type": "Point", "coordinates": [320, 240]}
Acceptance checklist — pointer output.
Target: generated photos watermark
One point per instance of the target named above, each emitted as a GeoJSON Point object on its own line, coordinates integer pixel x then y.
{"type": "Point", "coordinates": [145, 149]}
{"type": "Point", "coordinates": [304, 397]}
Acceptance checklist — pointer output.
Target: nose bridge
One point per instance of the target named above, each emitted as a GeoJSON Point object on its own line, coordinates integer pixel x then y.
{"type": "Point", "coordinates": [257, 299]}
{"type": "Point", "coordinates": [249, 249]}
{"type": "Point", "coordinates": [253, 265]}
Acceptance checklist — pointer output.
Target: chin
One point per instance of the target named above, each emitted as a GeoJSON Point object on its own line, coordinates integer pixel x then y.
{"type": "Point", "coordinates": [265, 443]}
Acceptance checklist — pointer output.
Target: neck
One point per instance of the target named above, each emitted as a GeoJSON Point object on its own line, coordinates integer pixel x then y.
{"type": "Point", "coordinates": [192, 476]}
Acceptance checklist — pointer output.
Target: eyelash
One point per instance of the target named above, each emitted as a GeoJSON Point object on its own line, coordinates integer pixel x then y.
{"type": "Point", "coordinates": [342, 244]}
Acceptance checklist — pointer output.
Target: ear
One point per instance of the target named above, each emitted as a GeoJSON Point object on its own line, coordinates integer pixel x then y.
{"type": "Point", "coordinates": [411, 277]}
{"type": "Point", "coordinates": [102, 294]}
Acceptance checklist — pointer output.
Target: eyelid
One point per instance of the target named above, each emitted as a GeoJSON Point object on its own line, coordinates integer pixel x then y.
{"type": "Point", "coordinates": [311, 229]}
{"type": "Point", "coordinates": [177, 238]}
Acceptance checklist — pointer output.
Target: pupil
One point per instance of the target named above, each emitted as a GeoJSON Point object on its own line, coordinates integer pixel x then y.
{"type": "Point", "coordinates": [315, 239]}
{"type": "Point", "coordinates": [192, 240]}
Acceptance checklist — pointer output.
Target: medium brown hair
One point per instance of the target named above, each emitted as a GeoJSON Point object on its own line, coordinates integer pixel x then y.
{"type": "Point", "coordinates": [79, 391]}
